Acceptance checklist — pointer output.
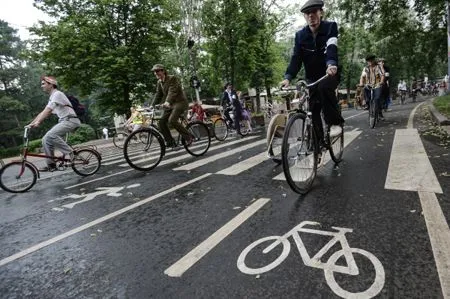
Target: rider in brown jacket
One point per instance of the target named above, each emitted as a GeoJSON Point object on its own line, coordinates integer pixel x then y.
{"type": "Point", "coordinates": [170, 92]}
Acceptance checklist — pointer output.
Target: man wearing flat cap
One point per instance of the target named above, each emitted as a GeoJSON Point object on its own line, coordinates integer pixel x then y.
{"type": "Point", "coordinates": [170, 92]}
{"type": "Point", "coordinates": [316, 49]}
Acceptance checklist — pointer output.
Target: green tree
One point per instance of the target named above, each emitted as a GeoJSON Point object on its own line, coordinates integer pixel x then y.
{"type": "Point", "coordinates": [106, 46]}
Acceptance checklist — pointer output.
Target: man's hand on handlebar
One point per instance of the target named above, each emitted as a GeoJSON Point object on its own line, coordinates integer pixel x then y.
{"type": "Point", "coordinates": [166, 105]}
{"type": "Point", "coordinates": [331, 70]}
{"type": "Point", "coordinates": [284, 83]}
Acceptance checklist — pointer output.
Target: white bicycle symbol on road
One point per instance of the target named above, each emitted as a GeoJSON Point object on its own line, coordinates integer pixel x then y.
{"type": "Point", "coordinates": [330, 267]}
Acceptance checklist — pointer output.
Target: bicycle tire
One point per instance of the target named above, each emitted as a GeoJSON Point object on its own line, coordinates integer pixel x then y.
{"type": "Point", "coordinates": [86, 161]}
{"type": "Point", "coordinates": [244, 130]}
{"type": "Point", "coordinates": [220, 129]}
{"type": "Point", "coordinates": [146, 154]}
{"type": "Point", "coordinates": [119, 139]}
{"type": "Point", "coordinates": [299, 153]}
{"type": "Point", "coordinates": [12, 172]}
{"type": "Point", "coordinates": [373, 114]}
{"type": "Point", "coordinates": [336, 145]}
{"type": "Point", "coordinates": [201, 139]}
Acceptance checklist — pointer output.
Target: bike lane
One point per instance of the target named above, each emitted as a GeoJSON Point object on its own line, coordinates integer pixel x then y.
{"type": "Point", "coordinates": [133, 251]}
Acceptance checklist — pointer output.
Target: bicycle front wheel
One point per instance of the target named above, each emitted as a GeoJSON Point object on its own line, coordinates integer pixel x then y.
{"type": "Point", "coordinates": [119, 139]}
{"type": "Point", "coordinates": [220, 129]}
{"type": "Point", "coordinates": [17, 177]}
{"type": "Point", "coordinates": [201, 139]}
{"type": "Point", "coordinates": [299, 153]}
{"type": "Point", "coordinates": [336, 145]}
{"type": "Point", "coordinates": [86, 161]}
{"type": "Point", "coordinates": [147, 153]}
{"type": "Point", "coordinates": [373, 111]}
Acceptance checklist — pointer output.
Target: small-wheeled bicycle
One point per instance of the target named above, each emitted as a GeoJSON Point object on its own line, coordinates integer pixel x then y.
{"type": "Point", "coordinates": [222, 128]}
{"type": "Point", "coordinates": [302, 150]}
{"type": "Point", "coordinates": [20, 176]}
{"type": "Point", "coordinates": [151, 148]}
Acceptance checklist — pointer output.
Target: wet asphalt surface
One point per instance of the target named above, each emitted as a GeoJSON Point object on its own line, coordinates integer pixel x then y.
{"type": "Point", "coordinates": [126, 253]}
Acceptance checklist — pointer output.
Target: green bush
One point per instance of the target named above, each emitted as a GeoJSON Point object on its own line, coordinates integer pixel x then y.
{"type": "Point", "coordinates": [83, 134]}
{"type": "Point", "coordinates": [442, 104]}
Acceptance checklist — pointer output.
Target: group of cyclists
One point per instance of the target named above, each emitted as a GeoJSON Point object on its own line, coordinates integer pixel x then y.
{"type": "Point", "coordinates": [315, 49]}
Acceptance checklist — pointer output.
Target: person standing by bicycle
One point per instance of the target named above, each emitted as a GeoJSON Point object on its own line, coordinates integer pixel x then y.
{"type": "Point", "coordinates": [316, 48]}
{"type": "Point", "coordinates": [68, 121]}
{"type": "Point", "coordinates": [385, 92]}
{"type": "Point", "coordinates": [373, 75]}
{"type": "Point", "coordinates": [170, 92]}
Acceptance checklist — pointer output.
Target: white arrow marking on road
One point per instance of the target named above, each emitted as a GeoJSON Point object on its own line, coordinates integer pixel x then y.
{"type": "Point", "coordinates": [182, 265]}
{"type": "Point", "coordinates": [98, 221]}
{"type": "Point", "coordinates": [348, 138]}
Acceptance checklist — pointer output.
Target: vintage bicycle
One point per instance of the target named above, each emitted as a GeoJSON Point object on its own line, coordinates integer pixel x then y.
{"type": "Point", "coordinates": [302, 150]}
{"type": "Point", "coordinates": [374, 106]}
{"type": "Point", "coordinates": [21, 175]}
{"type": "Point", "coordinates": [222, 128]}
{"type": "Point", "coordinates": [151, 148]}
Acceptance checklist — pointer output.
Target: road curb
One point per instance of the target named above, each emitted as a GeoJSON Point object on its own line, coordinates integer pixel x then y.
{"type": "Point", "coordinates": [439, 118]}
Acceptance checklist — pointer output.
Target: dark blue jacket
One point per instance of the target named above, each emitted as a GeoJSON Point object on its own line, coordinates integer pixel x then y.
{"type": "Point", "coordinates": [314, 53]}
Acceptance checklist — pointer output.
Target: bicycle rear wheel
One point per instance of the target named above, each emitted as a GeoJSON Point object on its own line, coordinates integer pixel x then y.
{"type": "Point", "coordinates": [299, 153]}
{"type": "Point", "coordinates": [244, 129]}
{"type": "Point", "coordinates": [146, 154]}
{"type": "Point", "coordinates": [86, 161]}
{"type": "Point", "coordinates": [119, 139]}
{"type": "Point", "coordinates": [201, 139]}
{"type": "Point", "coordinates": [17, 177]}
{"type": "Point", "coordinates": [220, 129]}
{"type": "Point", "coordinates": [336, 144]}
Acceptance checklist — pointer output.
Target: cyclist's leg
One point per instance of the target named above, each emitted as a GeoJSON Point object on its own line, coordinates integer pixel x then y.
{"type": "Point", "coordinates": [377, 99]}
{"type": "Point", "coordinates": [327, 96]}
{"type": "Point", "coordinates": [367, 96]}
{"type": "Point", "coordinates": [227, 116]}
{"type": "Point", "coordinates": [163, 125]}
{"type": "Point", "coordinates": [54, 138]}
{"type": "Point", "coordinates": [317, 121]}
{"type": "Point", "coordinates": [177, 111]}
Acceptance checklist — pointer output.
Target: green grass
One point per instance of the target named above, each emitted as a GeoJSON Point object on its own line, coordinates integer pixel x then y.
{"type": "Point", "coordinates": [442, 104]}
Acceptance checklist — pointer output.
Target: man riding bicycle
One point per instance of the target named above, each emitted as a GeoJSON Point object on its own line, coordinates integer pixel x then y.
{"type": "Point", "coordinates": [68, 121]}
{"type": "Point", "coordinates": [170, 92]}
{"type": "Point", "coordinates": [316, 48]}
{"type": "Point", "coordinates": [373, 75]}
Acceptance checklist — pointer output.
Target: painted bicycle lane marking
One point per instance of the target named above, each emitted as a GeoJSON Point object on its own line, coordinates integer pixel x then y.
{"type": "Point", "coordinates": [108, 191]}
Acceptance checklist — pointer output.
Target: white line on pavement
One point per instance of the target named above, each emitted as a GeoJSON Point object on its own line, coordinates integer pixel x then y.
{"type": "Point", "coordinates": [162, 162]}
{"type": "Point", "coordinates": [244, 165]}
{"type": "Point", "coordinates": [213, 158]}
{"type": "Point", "coordinates": [439, 237]}
{"type": "Point", "coordinates": [97, 221]}
{"type": "Point", "coordinates": [409, 167]}
{"type": "Point", "coordinates": [411, 116]}
{"type": "Point", "coordinates": [182, 265]}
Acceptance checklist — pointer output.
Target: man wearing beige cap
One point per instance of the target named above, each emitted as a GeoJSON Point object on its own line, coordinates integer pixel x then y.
{"type": "Point", "coordinates": [170, 93]}
{"type": "Point", "coordinates": [60, 105]}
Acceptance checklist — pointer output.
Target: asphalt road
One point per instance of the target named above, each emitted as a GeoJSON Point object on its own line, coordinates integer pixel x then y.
{"type": "Point", "coordinates": [376, 226]}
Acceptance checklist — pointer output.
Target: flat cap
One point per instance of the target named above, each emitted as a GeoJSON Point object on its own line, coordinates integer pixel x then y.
{"type": "Point", "coordinates": [158, 67]}
{"type": "Point", "coordinates": [311, 4]}
{"type": "Point", "coordinates": [370, 57]}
